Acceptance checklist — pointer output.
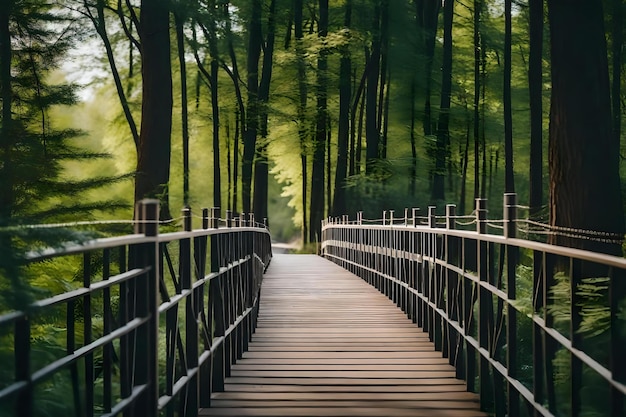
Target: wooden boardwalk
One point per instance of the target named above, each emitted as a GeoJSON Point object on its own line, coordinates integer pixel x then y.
{"type": "Point", "coordinates": [328, 344]}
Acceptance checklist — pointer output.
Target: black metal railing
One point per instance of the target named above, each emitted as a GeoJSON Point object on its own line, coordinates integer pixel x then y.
{"type": "Point", "coordinates": [153, 327]}
{"type": "Point", "coordinates": [536, 329]}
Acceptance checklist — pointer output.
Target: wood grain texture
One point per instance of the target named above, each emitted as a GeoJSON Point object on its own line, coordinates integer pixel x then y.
{"type": "Point", "coordinates": [328, 344]}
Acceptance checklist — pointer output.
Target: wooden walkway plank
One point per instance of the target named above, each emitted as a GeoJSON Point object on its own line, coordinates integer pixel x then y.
{"type": "Point", "coordinates": [328, 344]}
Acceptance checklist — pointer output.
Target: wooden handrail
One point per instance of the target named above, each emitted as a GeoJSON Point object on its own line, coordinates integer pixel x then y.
{"type": "Point", "coordinates": [168, 334]}
{"type": "Point", "coordinates": [486, 299]}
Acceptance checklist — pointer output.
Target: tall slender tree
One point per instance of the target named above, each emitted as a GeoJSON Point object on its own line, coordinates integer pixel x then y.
{"type": "Point", "coordinates": [509, 179]}
{"type": "Point", "coordinates": [302, 106]}
{"type": "Point", "coordinates": [343, 130]}
{"type": "Point", "coordinates": [255, 41]}
{"type": "Point", "coordinates": [477, 62]}
{"type": "Point", "coordinates": [179, 19]}
{"type": "Point", "coordinates": [535, 82]}
{"type": "Point", "coordinates": [321, 125]}
{"type": "Point", "coordinates": [372, 130]}
{"type": "Point", "coordinates": [261, 166]}
{"type": "Point", "coordinates": [443, 128]}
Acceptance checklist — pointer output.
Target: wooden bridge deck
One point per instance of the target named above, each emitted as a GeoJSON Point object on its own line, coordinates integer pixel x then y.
{"type": "Point", "coordinates": [328, 344]}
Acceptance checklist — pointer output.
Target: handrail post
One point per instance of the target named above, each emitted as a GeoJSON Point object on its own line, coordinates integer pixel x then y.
{"type": "Point", "coordinates": [391, 212]}
{"type": "Point", "coordinates": [414, 211]}
{"type": "Point", "coordinates": [510, 217]}
{"type": "Point", "coordinates": [186, 213]}
{"type": "Point", "coordinates": [147, 366]}
{"type": "Point", "coordinates": [229, 218]}
{"type": "Point", "coordinates": [481, 215]}
{"type": "Point", "coordinates": [406, 216]}
{"type": "Point", "coordinates": [191, 316]}
{"type": "Point", "coordinates": [384, 217]}
{"type": "Point", "coordinates": [205, 218]}
{"type": "Point", "coordinates": [216, 303]}
{"type": "Point", "coordinates": [432, 219]}
{"type": "Point", "coordinates": [450, 216]}
{"type": "Point", "coordinates": [200, 256]}
{"type": "Point", "coordinates": [484, 297]}
{"type": "Point", "coordinates": [510, 214]}
{"type": "Point", "coordinates": [451, 282]}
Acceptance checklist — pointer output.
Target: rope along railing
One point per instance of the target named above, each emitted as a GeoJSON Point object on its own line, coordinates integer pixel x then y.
{"type": "Point", "coordinates": [151, 329]}
{"type": "Point", "coordinates": [536, 329]}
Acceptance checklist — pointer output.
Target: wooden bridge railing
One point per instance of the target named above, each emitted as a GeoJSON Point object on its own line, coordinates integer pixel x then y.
{"type": "Point", "coordinates": [536, 329]}
{"type": "Point", "coordinates": [152, 330]}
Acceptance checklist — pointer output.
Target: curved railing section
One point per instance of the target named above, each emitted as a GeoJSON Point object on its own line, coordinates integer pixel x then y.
{"type": "Point", "coordinates": [536, 329]}
{"type": "Point", "coordinates": [153, 327]}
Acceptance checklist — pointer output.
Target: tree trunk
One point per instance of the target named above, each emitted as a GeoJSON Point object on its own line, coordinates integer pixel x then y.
{"type": "Point", "coordinates": [443, 128]}
{"type": "Point", "coordinates": [509, 179]}
{"type": "Point", "coordinates": [413, 170]}
{"type": "Point", "coordinates": [153, 165]}
{"type": "Point", "coordinates": [429, 20]}
{"type": "Point", "coordinates": [215, 109]}
{"type": "Point", "coordinates": [345, 71]}
{"type": "Point", "coordinates": [240, 113]}
{"type": "Point", "coordinates": [261, 168]}
{"type": "Point", "coordinates": [238, 125]}
{"type": "Point", "coordinates": [583, 155]}
{"type": "Point", "coordinates": [372, 133]}
{"type": "Point", "coordinates": [100, 25]}
{"type": "Point", "coordinates": [317, 174]}
{"type": "Point", "coordinates": [358, 98]}
{"type": "Point", "coordinates": [465, 163]}
{"type": "Point", "coordinates": [359, 139]}
{"type": "Point", "coordinates": [535, 83]}
{"type": "Point", "coordinates": [302, 103]}
{"type": "Point", "coordinates": [180, 38]}
{"type": "Point", "coordinates": [477, 11]}
{"type": "Point", "coordinates": [6, 138]}
{"type": "Point", "coordinates": [252, 112]}
{"type": "Point", "coordinates": [616, 94]}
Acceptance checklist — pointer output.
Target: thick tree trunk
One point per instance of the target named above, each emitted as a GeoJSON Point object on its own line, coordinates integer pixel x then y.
{"type": "Point", "coordinates": [616, 93]}
{"type": "Point", "coordinates": [153, 165]}
{"type": "Point", "coordinates": [443, 128]}
{"type": "Point", "coordinates": [317, 174]}
{"type": "Point", "coordinates": [6, 94]}
{"type": "Point", "coordinates": [509, 179]}
{"type": "Point", "coordinates": [345, 71]}
{"type": "Point", "coordinates": [583, 155]}
{"type": "Point", "coordinates": [429, 20]}
{"type": "Point", "coordinates": [535, 83]}
{"type": "Point", "coordinates": [261, 168]}
{"type": "Point", "coordinates": [252, 112]}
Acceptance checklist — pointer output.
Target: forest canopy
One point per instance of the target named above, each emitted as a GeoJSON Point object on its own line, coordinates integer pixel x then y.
{"type": "Point", "coordinates": [296, 110]}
